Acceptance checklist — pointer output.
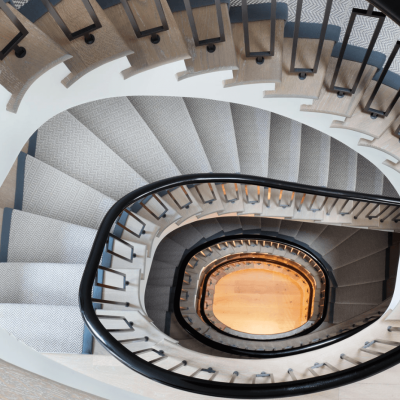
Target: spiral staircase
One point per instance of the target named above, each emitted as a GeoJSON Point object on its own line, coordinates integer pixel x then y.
{"type": "Point", "coordinates": [152, 149]}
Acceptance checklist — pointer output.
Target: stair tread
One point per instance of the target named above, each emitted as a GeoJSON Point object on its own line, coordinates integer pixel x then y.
{"type": "Point", "coordinates": [314, 171]}
{"type": "Point", "coordinates": [170, 122]}
{"type": "Point", "coordinates": [54, 194]}
{"type": "Point", "coordinates": [40, 283]}
{"type": "Point", "coordinates": [284, 149]}
{"type": "Point", "coordinates": [118, 124]}
{"type": "Point", "coordinates": [58, 329]}
{"type": "Point", "coordinates": [252, 130]}
{"type": "Point", "coordinates": [214, 125]}
{"type": "Point", "coordinates": [67, 145]}
{"type": "Point", "coordinates": [34, 238]}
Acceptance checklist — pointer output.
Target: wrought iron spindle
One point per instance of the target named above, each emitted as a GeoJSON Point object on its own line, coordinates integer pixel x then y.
{"type": "Point", "coordinates": [245, 19]}
{"type": "Point", "coordinates": [304, 71]}
{"type": "Point", "coordinates": [374, 112]}
{"type": "Point", "coordinates": [20, 52]}
{"type": "Point", "coordinates": [85, 32]}
{"type": "Point", "coordinates": [210, 43]}
{"type": "Point", "coordinates": [152, 32]}
{"type": "Point", "coordinates": [341, 91]}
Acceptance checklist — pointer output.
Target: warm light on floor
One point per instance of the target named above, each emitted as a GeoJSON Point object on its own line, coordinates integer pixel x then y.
{"type": "Point", "coordinates": [260, 302]}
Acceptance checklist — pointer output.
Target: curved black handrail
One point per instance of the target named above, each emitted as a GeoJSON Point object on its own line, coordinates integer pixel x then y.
{"type": "Point", "coordinates": [212, 388]}
{"type": "Point", "coordinates": [390, 8]}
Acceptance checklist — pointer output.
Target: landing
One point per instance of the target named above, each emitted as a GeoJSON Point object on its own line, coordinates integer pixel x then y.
{"type": "Point", "coordinates": [261, 302]}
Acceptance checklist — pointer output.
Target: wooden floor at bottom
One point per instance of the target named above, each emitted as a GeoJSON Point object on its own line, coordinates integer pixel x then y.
{"type": "Point", "coordinates": [259, 302]}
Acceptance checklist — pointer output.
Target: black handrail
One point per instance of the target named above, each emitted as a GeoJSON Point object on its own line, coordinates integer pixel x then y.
{"type": "Point", "coordinates": [389, 7]}
{"type": "Point", "coordinates": [212, 388]}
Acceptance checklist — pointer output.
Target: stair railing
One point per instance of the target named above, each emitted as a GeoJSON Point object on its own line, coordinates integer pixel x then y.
{"type": "Point", "coordinates": [85, 32]}
{"type": "Point", "coordinates": [304, 71]}
{"type": "Point", "coordinates": [20, 52]}
{"type": "Point", "coordinates": [259, 55]}
{"type": "Point", "coordinates": [369, 13]}
{"type": "Point", "coordinates": [210, 43]}
{"type": "Point", "coordinates": [152, 32]}
{"type": "Point", "coordinates": [148, 368]}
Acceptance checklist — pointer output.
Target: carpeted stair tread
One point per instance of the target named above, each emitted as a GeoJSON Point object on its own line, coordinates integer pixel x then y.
{"type": "Point", "coordinates": [270, 224]}
{"type": "Point", "coordinates": [169, 252]}
{"type": "Point", "coordinates": [368, 293]}
{"type": "Point", "coordinates": [230, 224]}
{"type": "Point", "coordinates": [57, 329]}
{"type": "Point", "coordinates": [343, 167]}
{"type": "Point", "coordinates": [314, 170]}
{"type": "Point", "coordinates": [51, 193]}
{"type": "Point", "coordinates": [250, 223]}
{"type": "Point", "coordinates": [67, 145]}
{"type": "Point", "coordinates": [284, 149]}
{"type": "Point", "coordinates": [388, 189]}
{"type": "Point", "coordinates": [208, 227]}
{"type": "Point", "coordinates": [331, 237]}
{"type": "Point", "coordinates": [162, 277]}
{"type": "Point", "coordinates": [117, 123]}
{"type": "Point", "coordinates": [289, 228]}
{"type": "Point", "coordinates": [214, 125]}
{"type": "Point", "coordinates": [343, 312]}
{"type": "Point", "coordinates": [159, 319]}
{"type": "Point", "coordinates": [369, 178]}
{"type": "Point", "coordinates": [37, 239]}
{"type": "Point", "coordinates": [170, 122]}
{"type": "Point", "coordinates": [41, 283]}
{"type": "Point", "coordinates": [365, 270]}
{"type": "Point", "coordinates": [187, 236]}
{"type": "Point", "coordinates": [252, 130]}
{"type": "Point", "coordinates": [360, 245]}
{"type": "Point", "coordinates": [155, 297]}
{"type": "Point", "coordinates": [309, 232]}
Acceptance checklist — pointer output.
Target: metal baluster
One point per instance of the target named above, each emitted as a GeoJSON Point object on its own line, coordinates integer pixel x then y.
{"type": "Point", "coordinates": [374, 112]}
{"type": "Point", "coordinates": [20, 52]}
{"type": "Point", "coordinates": [263, 375]}
{"type": "Point", "coordinates": [181, 364]}
{"type": "Point", "coordinates": [176, 202]}
{"type": "Point", "coordinates": [393, 329]}
{"type": "Point", "coordinates": [368, 13]}
{"type": "Point", "coordinates": [360, 212]}
{"type": "Point", "coordinates": [247, 195]}
{"type": "Point", "coordinates": [269, 198]}
{"type": "Point", "coordinates": [125, 283]}
{"type": "Point", "coordinates": [234, 376]}
{"type": "Point", "coordinates": [201, 197]}
{"type": "Point", "coordinates": [213, 376]}
{"type": "Point", "coordinates": [301, 202]}
{"type": "Point", "coordinates": [245, 19]}
{"type": "Point", "coordinates": [116, 303]}
{"type": "Point", "coordinates": [391, 212]}
{"type": "Point", "coordinates": [142, 231]}
{"type": "Point", "coordinates": [116, 317]}
{"type": "Point", "coordinates": [304, 71]}
{"type": "Point", "coordinates": [236, 190]}
{"type": "Point", "coordinates": [154, 38]}
{"type": "Point", "coordinates": [292, 375]}
{"type": "Point", "coordinates": [349, 359]}
{"type": "Point", "coordinates": [162, 215]}
{"type": "Point", "coordinates": [331, 208]}
{"type": "Point", "coordinates": [210, 43]}
{"type": "Point", "coordinates": [351, 210]}
{"type": "Point", "coordinates": [371, 211]}
{"type": "Point", "coordinates": [110, 242]}
{"type": "Point", "coordinates": [89, 38]}
{"type": "Point", "coordinates": [143, 339]}
{"type": "Point", "coordinates": [395, 219]}
{"type": "Point", "coordinates": [366, 349]}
